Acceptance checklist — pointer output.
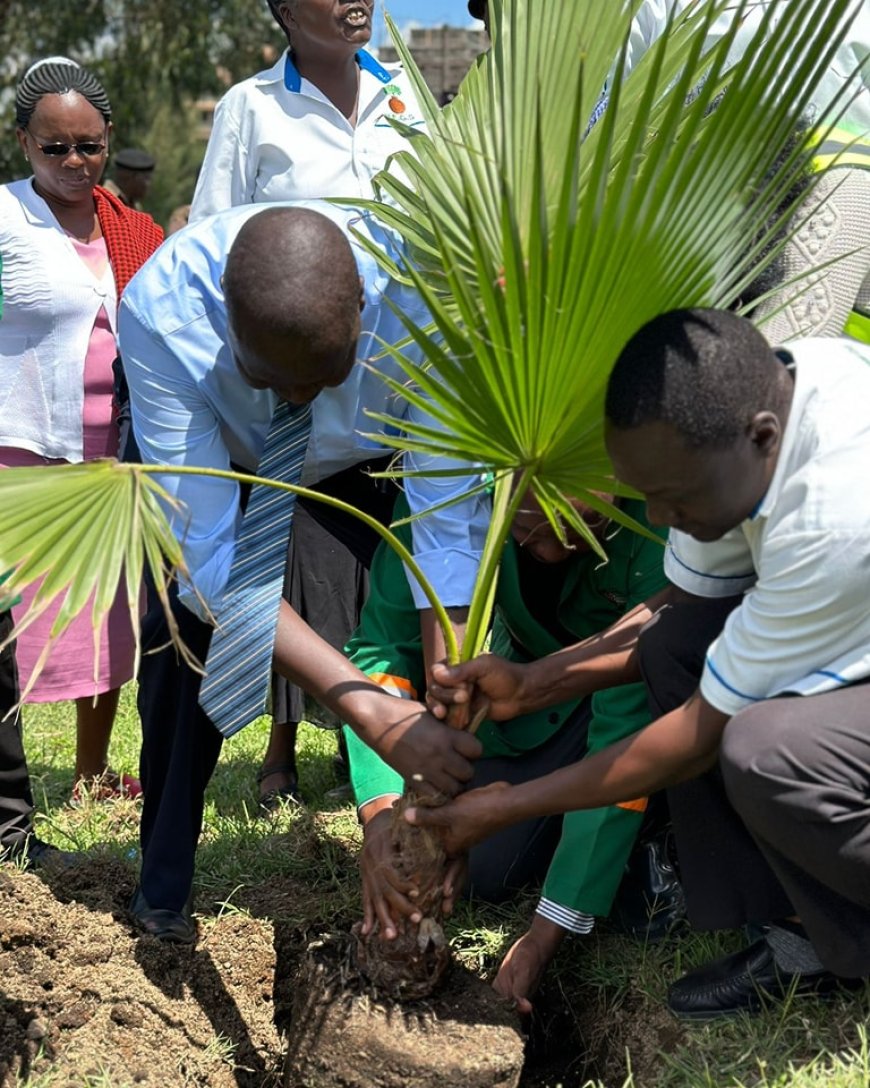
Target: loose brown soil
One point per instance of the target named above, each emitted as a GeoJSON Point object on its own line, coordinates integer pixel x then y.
{"type": "Point", "coordinates": [80, 992]}
{"type": "Point", "coordinates": [83, 999]}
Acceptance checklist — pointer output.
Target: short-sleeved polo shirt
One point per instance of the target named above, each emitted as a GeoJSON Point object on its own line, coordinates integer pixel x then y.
{"type": "Point", "coordinates": [803, 558]}
{"type": "Point", "coordinates": [276, 136]}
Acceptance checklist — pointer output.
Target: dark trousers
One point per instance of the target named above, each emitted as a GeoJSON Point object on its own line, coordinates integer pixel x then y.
{"type": "Point", "coordinates": [519, 856]}
{"type": "Point", "coordinates": [16, 798]}
{"type": "Point", "coordinates": [180, 745]}
{"type": "Point", "coordinates": [180, 748]}
{"type": "Point", "coordinates": [781, 826]}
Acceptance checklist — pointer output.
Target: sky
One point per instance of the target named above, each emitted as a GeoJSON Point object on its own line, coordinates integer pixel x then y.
{"type": "Point", "coordinates": [423, 12]}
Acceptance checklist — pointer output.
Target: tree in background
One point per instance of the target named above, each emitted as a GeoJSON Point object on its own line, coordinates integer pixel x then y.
{"type": "Point", "coordinates": [154, 57]}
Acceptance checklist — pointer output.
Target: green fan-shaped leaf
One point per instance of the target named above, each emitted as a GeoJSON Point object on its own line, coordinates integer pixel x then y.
{"type": "Point", "coordinates": [78, 531]}
{"type": "Point", "coordinates": [541, 247]}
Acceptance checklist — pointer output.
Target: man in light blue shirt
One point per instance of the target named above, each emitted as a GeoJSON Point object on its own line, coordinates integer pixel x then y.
{"type": "Point", "coordinates": [203, 392]}
{"type": "Point", "coordinates": [191, 405]}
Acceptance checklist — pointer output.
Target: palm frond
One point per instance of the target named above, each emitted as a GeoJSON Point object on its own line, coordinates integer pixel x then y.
{"type": "Point", "coordinates": [540, 247]}
{"type": "Point", "coordinates": [78, 532]}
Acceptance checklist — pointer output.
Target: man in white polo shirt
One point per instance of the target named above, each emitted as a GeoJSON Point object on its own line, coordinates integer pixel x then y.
{"type": "Point", "coordinates": [757, 658]}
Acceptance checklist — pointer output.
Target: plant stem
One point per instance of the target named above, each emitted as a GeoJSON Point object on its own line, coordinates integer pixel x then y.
{"type": "Point", "coordinates": [505, 503]}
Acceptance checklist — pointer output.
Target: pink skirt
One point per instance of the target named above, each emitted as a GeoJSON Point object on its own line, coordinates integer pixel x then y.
{"type": "Point", "coordinates": [68, 672]}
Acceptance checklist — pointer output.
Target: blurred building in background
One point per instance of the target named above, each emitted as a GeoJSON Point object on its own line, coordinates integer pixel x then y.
{"type": "Point", "coordinates": [443, 53]}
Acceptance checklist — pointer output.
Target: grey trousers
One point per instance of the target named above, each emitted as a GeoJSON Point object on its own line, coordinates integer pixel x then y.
{"type": "Point", "coordinates": [797, 771]}
{"type": "Point", "coordinates": [782, 825]}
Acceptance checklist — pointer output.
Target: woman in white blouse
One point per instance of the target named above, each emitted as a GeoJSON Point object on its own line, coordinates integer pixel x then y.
{"type": "Point", "coordinates": [68, 247]}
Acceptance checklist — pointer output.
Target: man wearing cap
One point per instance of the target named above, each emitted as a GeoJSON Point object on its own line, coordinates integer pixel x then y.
{"type": "Point", "coordinates": [133, 172]}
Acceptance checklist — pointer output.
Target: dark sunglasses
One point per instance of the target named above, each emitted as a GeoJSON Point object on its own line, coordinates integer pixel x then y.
{"type": "Point", "coordinates": [86, 149]}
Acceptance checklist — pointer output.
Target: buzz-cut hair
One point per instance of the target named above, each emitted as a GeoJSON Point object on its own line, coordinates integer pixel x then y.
{"type": "Point", "coordinates": [291, 272]}
{"type": "Point", "coordinates": [704, 372]}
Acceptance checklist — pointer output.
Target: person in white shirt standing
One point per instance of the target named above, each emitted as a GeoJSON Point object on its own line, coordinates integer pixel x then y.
{"type": "Point", "coordinates": [315, 125]}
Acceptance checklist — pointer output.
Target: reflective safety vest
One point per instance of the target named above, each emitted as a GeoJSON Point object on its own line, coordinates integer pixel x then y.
{"type": "Point", "coordinates": [842, 147]}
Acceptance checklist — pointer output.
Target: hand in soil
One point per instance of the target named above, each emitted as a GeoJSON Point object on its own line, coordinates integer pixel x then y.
{"type": "Point", "coordinates": [435, 758]}
{"type": "Point", "coordinates": [470, 818]}
{"type": "Point", "coordinates": [491, 687]}
{"type": "Point", "coordinates": [388, 896]}
{"type": "Point", "coordinates": [523, 967]}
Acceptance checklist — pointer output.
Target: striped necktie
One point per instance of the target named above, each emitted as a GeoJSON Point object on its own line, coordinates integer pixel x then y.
{"type": "Point", "coordinates": [239, 661]}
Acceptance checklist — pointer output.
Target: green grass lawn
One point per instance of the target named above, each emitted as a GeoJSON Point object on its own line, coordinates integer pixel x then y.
{"type": "Point", "coordinates": [602, 1003]}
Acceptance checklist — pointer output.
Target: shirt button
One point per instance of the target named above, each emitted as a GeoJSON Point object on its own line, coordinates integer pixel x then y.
{"type": "Point", "coordinates": [553, 718]}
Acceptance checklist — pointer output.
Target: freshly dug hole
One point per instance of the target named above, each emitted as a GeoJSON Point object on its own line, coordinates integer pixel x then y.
{"type": "Point", "coordinates": [342, 1035]}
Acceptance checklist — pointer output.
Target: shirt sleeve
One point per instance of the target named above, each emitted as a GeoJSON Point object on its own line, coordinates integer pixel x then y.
{"type": "Point", "coordinates": [174, 425]}
{"type": "Point", "coordinates": [646, 27]}
{"type": "Point", "coordinates": [801, 616]}
{"type": "Point", "coordinates": [223, 181]}
{"type": "Point", "coordinates": [370, 777]}
{"type": "Point", "coordinates": [448, 543]}
{"type": "Point", "coordinates": [722, 568]}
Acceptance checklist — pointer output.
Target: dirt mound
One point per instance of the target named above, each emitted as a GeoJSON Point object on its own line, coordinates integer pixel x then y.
{"type": "Point", "coordinates": [79, 992]}
{"type": "Point", "coordinates": [85, 1001]}
{"type": "Point", "coordinates": [344, 1034]}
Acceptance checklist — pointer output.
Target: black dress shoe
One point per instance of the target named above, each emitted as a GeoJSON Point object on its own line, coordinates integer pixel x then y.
{"type": "Point", "coordinates": [171, 926]}
{"type": "Point", "coordinates": [744, 982]}
{"type": "Point", "coordinates": [33, 853]}
{"type": "Point", "coordinates": [42, 855]}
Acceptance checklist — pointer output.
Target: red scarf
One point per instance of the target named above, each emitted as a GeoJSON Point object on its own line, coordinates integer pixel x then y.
{"type": "Point", "coordinates": [131, 236]}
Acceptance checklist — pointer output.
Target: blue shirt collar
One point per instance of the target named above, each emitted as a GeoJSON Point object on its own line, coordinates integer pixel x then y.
{"type": "Point", "coordinates": [293, 81]}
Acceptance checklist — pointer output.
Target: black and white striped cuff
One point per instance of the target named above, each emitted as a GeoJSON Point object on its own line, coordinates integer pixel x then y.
{"type": "Point", "coordinates": [576, 921]}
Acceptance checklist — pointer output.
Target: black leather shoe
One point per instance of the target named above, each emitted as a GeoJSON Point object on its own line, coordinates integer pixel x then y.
{"type": "Point", "coordinates": [744, 982]}
{"type": "Point", "coordinates": [650, 904]}
{"type": "Point", "coordinates": [34, 854]}
{"type": "Point", "coordinates": [42, 855]}
{"type": "Point", "coordinates": [171, 926]}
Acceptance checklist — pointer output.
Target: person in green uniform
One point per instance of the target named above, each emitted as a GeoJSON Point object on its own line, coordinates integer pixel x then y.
{"type": "Point", "coordinates": [549, 596]}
